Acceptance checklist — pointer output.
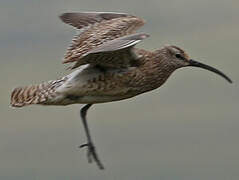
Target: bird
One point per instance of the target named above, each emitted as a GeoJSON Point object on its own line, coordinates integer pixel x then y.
{"type": "Point", "coordinates": [106, 67]}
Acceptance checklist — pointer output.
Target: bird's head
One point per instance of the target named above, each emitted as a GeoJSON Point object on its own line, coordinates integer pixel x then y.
{"type": "Point", "coordinates": [177, 58]}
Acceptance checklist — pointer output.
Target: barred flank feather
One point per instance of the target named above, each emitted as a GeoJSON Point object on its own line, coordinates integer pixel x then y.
{"type": "Point", "coordinates": [35, 94]}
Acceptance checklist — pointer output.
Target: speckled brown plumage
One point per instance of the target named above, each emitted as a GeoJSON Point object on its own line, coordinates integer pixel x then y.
{"type": "Point", "coordinates": [98, 28]}
{"type": "Point", "coordinates": [35, 94]}
{"type": "Point", "coordinates": [109, 67]}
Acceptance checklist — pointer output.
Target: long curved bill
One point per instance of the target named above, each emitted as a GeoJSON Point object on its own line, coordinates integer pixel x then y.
{"type": "Point", "coordinates": [209, 68]}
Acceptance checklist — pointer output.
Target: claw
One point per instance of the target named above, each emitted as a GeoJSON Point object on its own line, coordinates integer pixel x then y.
{"type": "Point", "coordinates": [91, 154]}
{"type": "Point", "coordinates": [83, 145]}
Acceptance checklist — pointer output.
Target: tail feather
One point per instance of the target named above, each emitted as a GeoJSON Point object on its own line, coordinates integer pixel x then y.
{"type": "Point", "coordinates": [34, 94]}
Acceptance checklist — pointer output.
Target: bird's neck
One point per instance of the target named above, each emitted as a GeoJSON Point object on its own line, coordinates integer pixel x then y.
{"type": "Point", "coordinates": [157, 70]}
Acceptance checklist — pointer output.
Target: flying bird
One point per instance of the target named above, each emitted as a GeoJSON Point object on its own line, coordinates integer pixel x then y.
{"type": "Point", "coordinates": [107, 67]}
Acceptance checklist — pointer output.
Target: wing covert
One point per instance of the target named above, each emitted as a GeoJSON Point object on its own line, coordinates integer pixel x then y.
{"type": "Point", "coordinates": [116, 53]}
{"type": "Point", "coordinates": [98, 28]}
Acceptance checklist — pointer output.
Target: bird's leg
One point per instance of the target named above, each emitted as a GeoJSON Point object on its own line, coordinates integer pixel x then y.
{"type": "Point", "coordinates": [91, 151]}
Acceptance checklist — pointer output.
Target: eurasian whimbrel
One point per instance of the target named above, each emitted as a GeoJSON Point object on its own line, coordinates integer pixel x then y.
{"type": "Point", "coordinates": [110, 68]}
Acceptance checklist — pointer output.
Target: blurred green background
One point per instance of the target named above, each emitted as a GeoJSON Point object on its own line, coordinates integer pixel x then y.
{"type": "Point", "coordinates": [188, 129]}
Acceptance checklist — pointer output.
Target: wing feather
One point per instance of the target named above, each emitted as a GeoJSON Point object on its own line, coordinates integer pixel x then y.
{"type": "Point", "coordinates": [116, 53]}
{"type": "Point", "coordinates": [98, 28]}
{"type": "Point", "coordinates": [84, 19]}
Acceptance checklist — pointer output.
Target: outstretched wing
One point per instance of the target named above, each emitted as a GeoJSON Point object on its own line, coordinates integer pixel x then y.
{"type": "Point", "coordinates": [115, 53]}
{"type": "Point", "coordinates": [97, 29]}
{"type": "Point", "coordinates": [86, 19]}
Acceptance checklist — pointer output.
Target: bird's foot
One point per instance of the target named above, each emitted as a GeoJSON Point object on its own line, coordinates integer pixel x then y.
{"type": "Point", "coordinates": [92, 155]}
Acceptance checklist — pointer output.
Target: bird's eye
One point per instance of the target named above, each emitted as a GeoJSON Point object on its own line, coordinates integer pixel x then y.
{"type": "Point", "coordinates": [179, 56]}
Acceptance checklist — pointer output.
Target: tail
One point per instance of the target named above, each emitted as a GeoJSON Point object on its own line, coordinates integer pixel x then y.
{"type": "Point", "coordinates": [34, 94]}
